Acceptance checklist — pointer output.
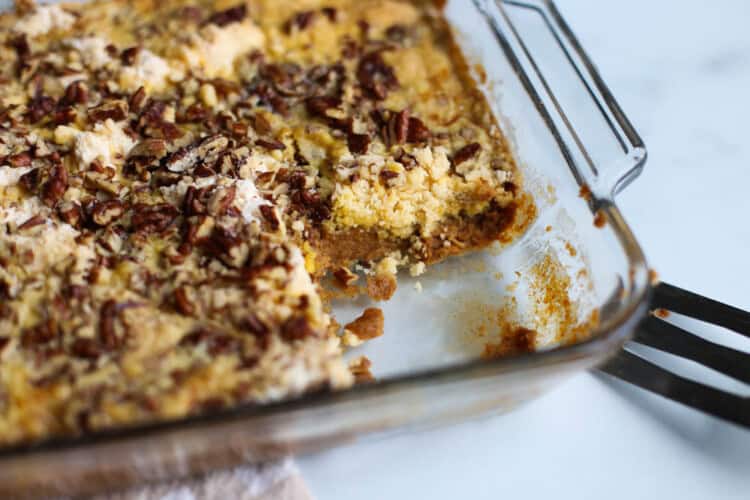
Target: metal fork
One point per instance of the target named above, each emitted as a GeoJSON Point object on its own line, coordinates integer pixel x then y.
{"type": "Point", "coordinates": [659, 334]}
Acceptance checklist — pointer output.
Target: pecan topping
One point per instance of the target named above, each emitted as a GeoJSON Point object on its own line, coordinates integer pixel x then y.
{"type": "Point", "coordinates": [30, 180]}
{"type": "Point", "coordinates": [43, 332]}
{"type": "Point", "coordinates": [318, 106]}
{"type": "Point", "coordinates": [137, 100]}
{"type": "Point", "coordinates": [63, 116]}
{"type": "Point", "coordinates": [398, 127]}
{"type": "Point", "coordinates": [466, 153]}
{"type": "Point", "coordinates": [299, 21]}
{"type": "Point", "coordinates": [39, 107]}
{"type": "Point", "coordinates": [199, 230]}
{"type": "Point", "coordinates": [55, 187]}
{"type": "Point", "coordinates": [203, 150]}
{"type": "Point", "coordinates": [75, 93]}
{"type": "Point", "coordinates": [106, 212]}
{"type": "Point", "coordinates": [358, 143]}
{"type": "Point", "coordinates": [108, 315]}
{"type": "Point", "coordinates": [36, 220]}
{"type": "Point", "coordinates": [182, 301]}
{"type": "Point", "coordinates": [269, 213]}
{"type": "Point", "coordinates": [418, 131]}
{"type": "Point", "coordinates": [85, 348]}
{"type": "Point", "coordinates": [114, 110]}
{"type": "Point", "coordinates": [271, 144]}
{"type": "Point", "coordinates": [232, 15]}
{"type": "Point", "coordinates": [20, 160]}
{"type": "Point", "coordinates": [153, 218]}
{"type": "Point", "coordinates": [375, 76]}
{"type": "Point", "coordinates": [227, 247]}
{"type": "Point", "coordinates": [297, 328]}
{"type": "Point", "coordinates": [331, 13]}
{"type": "Point", "coordinates": [70, 213]}
{"type": "Point", "coordinates": [195, 113]}
{"type": "Point", "coordinates": [221, 200]}
{"type": "Point", "coordinates": [129, 55]}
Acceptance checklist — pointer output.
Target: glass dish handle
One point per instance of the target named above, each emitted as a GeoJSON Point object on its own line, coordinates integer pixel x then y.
{"type": "Point", "coordinates": [596, 139]}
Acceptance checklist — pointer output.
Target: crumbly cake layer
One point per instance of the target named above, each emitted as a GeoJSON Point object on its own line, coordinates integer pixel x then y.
{"type": "Point", "coordinates": [176, 177]}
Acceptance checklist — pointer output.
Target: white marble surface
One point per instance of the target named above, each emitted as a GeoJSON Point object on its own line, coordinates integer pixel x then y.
{"type": "Point", "coordinates": [681, 70]}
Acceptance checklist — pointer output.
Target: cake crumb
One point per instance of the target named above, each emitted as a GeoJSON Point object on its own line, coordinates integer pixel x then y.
{"type": "Point", "coordinates": [368, 325]}
{"type": "Point", "coordinates": [360, 368]}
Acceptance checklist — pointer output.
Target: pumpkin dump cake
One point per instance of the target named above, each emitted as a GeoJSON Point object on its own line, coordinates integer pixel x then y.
{"type": "Point", "coordinates": [177, 178]}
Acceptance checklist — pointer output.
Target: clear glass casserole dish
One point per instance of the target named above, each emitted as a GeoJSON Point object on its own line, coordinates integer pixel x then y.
{"type": "Point", "coordinates": [577, 150]}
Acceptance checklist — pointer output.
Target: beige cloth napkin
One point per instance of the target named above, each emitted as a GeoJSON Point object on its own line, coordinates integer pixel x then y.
{"type": "Point", "coordinates": [273, 481]}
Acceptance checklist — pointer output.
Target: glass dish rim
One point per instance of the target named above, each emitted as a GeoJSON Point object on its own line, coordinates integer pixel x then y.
{"type": "Point", "coordinates": [604, 337]}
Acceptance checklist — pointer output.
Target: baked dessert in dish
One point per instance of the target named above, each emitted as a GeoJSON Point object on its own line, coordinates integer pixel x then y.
{"type": "Point", "coordinates": [177, 178]}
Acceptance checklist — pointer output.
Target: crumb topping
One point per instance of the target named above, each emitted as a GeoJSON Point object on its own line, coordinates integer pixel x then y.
{"type": "Point", "coordinates": [176, 177]}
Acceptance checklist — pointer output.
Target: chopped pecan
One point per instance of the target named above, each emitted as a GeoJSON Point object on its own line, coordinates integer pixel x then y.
{"type": "Point", "coordinates": [129, 55]}
{"type": "Point", "coordinates": [375, 76]}
{"type": "Point", "coordinates": [216, 342]}
{"type": "Point", "coordinates": [106, 212]}
{"type": "Point", "coordinates": [221, 199]}
{"type": "Point", "coordinates": [30, 180]}
{"type": "Point", "coordinates": [55, 187]}
{"type": "Point", "coordinates": [153, 218]}
{"type": "Point", "coordinates": [331, 13]}
{"type": "Point", "coordinates": [33, 221]}
{"type": "Point", "coordinates": [39, 107]}
{"type": "Point", "coordinates": [319, 105]}
{"type": "Point", "coordinates": [299, 21]}
{"type": "Point", "coordinates": [271, 144]}
{"type": "Point", "coordinates": [137, 100]}
{"type": "Point", "coordinates": [203, 150]}
{"type": "Point", "coordinates": [195, 113]}
{"type": "Point", "coordinates": [85, 348]}
{"type": "Point", "coordinates": [269, 213]}
{"type": "Point", "coordinates": [108, 316]}
{"type": "Point", "coordinates": [418, 131]}
{"type": "Point", "coordinates": [182, 301]}
{"type": "Point", "coordinates": [20, 160]}
{"type": "Point", "coordinates": [227, 247]}
{"type": "Point", "coordinates": [75, 93]}
{"type": "Point", "coordinates": [199, 230]}
{"type": "Point", "coordinates": [4, 341]}
{"type": "Point", "coordinates": [232, 15]}
{"type": "Point", "coordinates": [149, 149]}
{"type": "Point", "coordinates": [70, 212]}
{"type": "Point", "coordinates": [398, 127]}
{"type": "Point", "coordinates": [65, 115]}
{"type": "Point", "coordinates": [296, 328]}
{"type": "Point", "coordinates": [42, 333]}
{"type": "Point", "coordinates": [358, 143]}
{"type": "Point", "coordinates": [116, 110]}
{"type": "Point", "coordinates": [466, 153]}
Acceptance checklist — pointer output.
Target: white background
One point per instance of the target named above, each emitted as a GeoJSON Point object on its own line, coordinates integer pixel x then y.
{"type": "Point", "coordinates": [681, 71]}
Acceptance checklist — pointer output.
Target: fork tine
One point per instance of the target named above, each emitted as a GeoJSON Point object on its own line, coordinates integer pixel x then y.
{"type": "Point", "coordinates": [666, 337]}
{"type": "Point", "coordinates": [636, 370]}
{"type": "Point", "coordinates": [702, 308]}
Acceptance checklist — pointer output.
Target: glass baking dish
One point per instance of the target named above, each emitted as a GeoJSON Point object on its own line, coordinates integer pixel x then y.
{"type": "Point", "coordinates": [576, 148]}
